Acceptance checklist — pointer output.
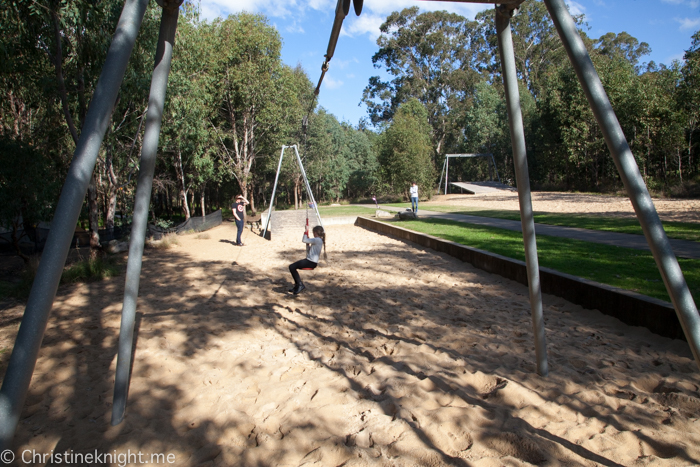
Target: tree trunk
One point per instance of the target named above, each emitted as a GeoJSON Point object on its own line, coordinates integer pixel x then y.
{"type": "Point", "coordinates": [185, 205]}
{"type": "Point", "coordinates": [58, 65]}
{"type": "Point", "coordinates": [15, 242]}
{"type": "Point", "coordinates": [112, 189]}
{"type": "Point", "coordinates": [252, 198]}
{"type": "Point", "coordinates": [93, 215]}
{"type": "Point", "coordinates": [181, 182]}
{"type": "Point", "coordinates": [297, 201]}
{"type": "Point", "coordinates": [201, 201]}
{"type": "Point", "coordinates": [111, 207]}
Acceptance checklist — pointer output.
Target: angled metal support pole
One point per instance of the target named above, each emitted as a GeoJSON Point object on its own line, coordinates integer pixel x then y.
{"type": "Point", "coordinates": [629, 173]}
{"type": "Point", "coordinates": [447, 173]}
{"type": "Point", "coordinates": [154, 117]}
{"type": "Point", "coordinates": [441, 174]}
{"type": "Point", "coordinates": [36, 315]}
{"type": "Point", "coordinates": [274, 189]}
{"type": "Point", "coordinates": [306, 184]}
{"type": "Point", "coordinates": [517, 137]}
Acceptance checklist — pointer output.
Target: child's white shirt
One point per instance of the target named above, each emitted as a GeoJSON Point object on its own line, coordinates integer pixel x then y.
{"type": "Point", "coordinates": [313, 252]}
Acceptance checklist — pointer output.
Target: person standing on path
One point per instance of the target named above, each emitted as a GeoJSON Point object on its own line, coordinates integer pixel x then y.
{"type": "Point", "coordinates": [414, 198]}
{"type": "Point", "coordinates": [239, 214]}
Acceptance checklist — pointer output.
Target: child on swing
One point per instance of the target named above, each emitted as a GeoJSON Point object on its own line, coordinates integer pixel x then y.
{"type": "Point", "coordinates": [313, 253]}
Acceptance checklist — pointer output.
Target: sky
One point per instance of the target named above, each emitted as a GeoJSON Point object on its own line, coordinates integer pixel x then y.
{"type": "Point", "coordinates": [305, 27]}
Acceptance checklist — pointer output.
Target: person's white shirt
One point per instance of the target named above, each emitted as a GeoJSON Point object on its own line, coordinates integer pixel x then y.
{"type": "Point", "coordinates": [414, 191]}
{"type": "Point", "coordinates": [314, 252]}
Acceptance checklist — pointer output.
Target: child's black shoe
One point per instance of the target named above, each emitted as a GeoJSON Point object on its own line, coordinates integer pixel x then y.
{"type": "Point", "coordinates": [298, 289]}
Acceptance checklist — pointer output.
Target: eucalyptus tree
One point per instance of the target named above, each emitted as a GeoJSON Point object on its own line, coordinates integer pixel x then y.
{"type": "Point", "coordinates": [297, 103]}
{"type": "Point", "coordinates": [324, 161]}
{"type": "Point", "coordinates": [28, 189]}
{"type": "Point", "coordinates": [59, 49]}
{"type": "Point", "coordinates": [623, 46]}
{"type": "Point", "coordinates": [24, 101]}
{"type": "Point", "coordinates": [406, 151]}
{"type": "Point", "coordinates": [568, 133]}
{"type": "Point", "coordinates": [435, 57]}
{"type": "Point", "coordinates": [362, 162]}
{"type": "Point", "coordinates": [246, 83]}
{"type": "Point", "coordinates": [188, 139]}
{"type": "Point", "coordinates": [538, 49]}
{"type": "Point", "coordinates": [658, 139]}
{"type": "Point", "coordinates": [689, 98]}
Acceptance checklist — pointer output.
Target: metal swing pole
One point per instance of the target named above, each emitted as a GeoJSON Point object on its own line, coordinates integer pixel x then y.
{"type": "Point", "coordinates": [447, 172]}
{"type": "Point", "coordinates": [308, 187]}
{"type": "Point", "coordinates": [493, 161]}
{"type": "Point", "coordinates": [441, 173]}
{"type": "Point", "coordinates": [629, 173]}
{"type": "Point", "coordinates": [517, 135]}
{"type": "Point", "coordinates": [274, 189]}
{"type": "Point", "coordinates": [149, 150]}
{"type": "Point", "coordinates": [36, 314]}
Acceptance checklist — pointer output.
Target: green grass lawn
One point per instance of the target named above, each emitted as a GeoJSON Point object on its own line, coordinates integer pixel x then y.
{"type": "Point", "coordinates": [679, 230]}
{"type": "Point", "coordinates": [625, 268]}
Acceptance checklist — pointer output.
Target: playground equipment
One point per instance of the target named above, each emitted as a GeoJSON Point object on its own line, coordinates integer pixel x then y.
{"type": "Point", "coordinates": [446, 167]}
{"type": "Point", "coordinates": [307, 187]}
{"type": "Point", "coordinates": [31, 331]}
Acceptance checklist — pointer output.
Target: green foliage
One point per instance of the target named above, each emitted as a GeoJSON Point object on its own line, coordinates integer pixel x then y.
{"type": "Point", "coordinates": [92, 269]}
{"type": "Point", "coordinates": [426, 56]}
{"type": "Point", "coordinates": [536, 44]}
{"type": "Point", "coordinates": [27, 190]}
{"type": "Point", "coordinates": [406, 150]}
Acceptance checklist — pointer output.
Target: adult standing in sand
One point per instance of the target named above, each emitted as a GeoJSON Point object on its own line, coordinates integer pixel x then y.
{"type": "Point", "coordinates": [414, 198]}
{"type": "Point", "coordinates": [239, 214]}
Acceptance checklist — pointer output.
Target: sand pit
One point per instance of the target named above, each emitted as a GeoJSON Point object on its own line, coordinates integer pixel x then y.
{"type": "Point", "coordinates": [394, 356]}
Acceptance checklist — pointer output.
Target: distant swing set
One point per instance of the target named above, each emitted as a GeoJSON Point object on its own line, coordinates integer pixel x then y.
{"type": "Point", "coordinates": [31, 332]}
{"type": "Point", "coordinates": [446, 167]}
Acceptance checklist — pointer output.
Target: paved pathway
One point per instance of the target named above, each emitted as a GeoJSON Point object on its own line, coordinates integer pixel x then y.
{"type": "Point", "coordinates": [682, 248]}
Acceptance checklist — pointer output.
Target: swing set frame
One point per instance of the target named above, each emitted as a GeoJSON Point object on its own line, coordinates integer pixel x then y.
{"type": "Point", "coordinates": [446, 168]}
{"type": "Point", "coordinates": [307, 187]}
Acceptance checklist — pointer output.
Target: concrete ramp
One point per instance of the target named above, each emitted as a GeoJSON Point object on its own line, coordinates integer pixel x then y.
{"type": "Point", "coordinates": [475, 188]}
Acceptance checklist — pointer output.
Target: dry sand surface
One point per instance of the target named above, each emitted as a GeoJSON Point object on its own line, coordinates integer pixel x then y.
{"type": "Point", "coordinates": [394, 356]}
{"type": "Point", "coordinates": [683, 210]}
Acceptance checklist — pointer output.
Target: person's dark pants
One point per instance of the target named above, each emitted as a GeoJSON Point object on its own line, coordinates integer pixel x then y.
{"type": "Point", "coordinates": [239, 226]}
{"type": "Point", "coordinates": [301, 264]}
{"type": "Point", "coordinates": [414, 204]}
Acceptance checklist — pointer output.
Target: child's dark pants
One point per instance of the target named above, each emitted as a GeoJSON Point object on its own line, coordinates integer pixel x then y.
{"type": "Point", "coordinates": [301, 264]}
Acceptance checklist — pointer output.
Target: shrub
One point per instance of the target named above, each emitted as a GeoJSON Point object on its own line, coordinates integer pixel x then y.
{"type": "Point", "coordinates": [92, 269]}
{"type": "Point", "coordinates": [168, 241]}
